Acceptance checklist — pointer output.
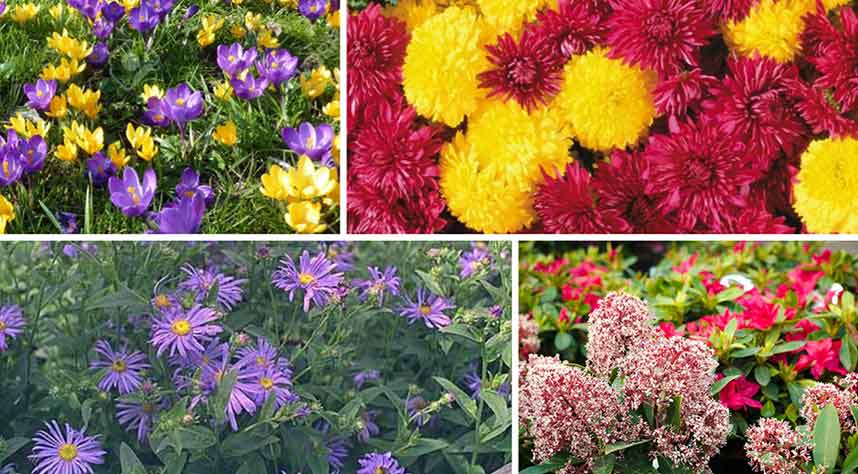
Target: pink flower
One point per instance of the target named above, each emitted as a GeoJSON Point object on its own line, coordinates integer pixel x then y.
{"type": "Point", "coordinates": [774, 447]}
{"type": "Point", "coordinates": [563, 317]}
{"type": "Point", "coordinates": [620, 324]}
{"type": "Point", "coordinates": [821, 356]}
{"type": "Point", "coordinates": [805, 328]}
{"type": "Point", "coordinates": [528, 336]}
{"type": "Point", "coordinates": [686, 266]}
{"type": "Point", "coordinates": [670, 330]}
{"type": "Point", "coordinates": [817, 397]}
{"type": "Point", "coordinates": [759, 313]}
{"type": "Point", "coordinates": [739, 393]}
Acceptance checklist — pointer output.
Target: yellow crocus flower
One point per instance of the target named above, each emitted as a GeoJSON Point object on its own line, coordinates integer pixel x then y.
{"type": "Point", "coordinates": [56, 11]}
{"type": "Point", "coordinates": [67, 151]}
{"type": "Point", "coordinates": [7, 213]}
{"type": "Point", "coordinates": [150, 91]}
{"type": "Point", "coordinates": [305, 217]}
{"type": "Point", "coordinates": [84, 100]}
{"type": "Point", "coordinates": [58, 108]}
{"type": "Point", "coordinates": [28, 129]}
{"type": "Point", "coordinates": [91, 141]}
{"type": "Point", "coordinates": [24, 13]}
{"type": "Point", "coordinates": [315, 84]}
{"type": "Point", "coordinates": [116, 153]}
{"type": "Point", "coordinates": [266, 39]}
{"type": "Point", "coordinates": [252, 21]}
{"type": "Point", "coordinates": [147, 149]}
{"type": "Point", "coordinates": [135, 136]}
{"type": "Point", "coordinates": [226, 134]}
{"type": "Point", "coordinates": [332, 108]}
{"type": "Point", "coordinates": [223, 91]}
{"type": "Point", "coordinates": [238, 31]}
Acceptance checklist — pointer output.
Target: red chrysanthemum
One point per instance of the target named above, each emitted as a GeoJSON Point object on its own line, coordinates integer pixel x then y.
{"type": "Point", "coordinates": [820, 115]}
{"type": "Point", "coordinates": [392, 153]}
{"type": "Point", "coordinates": [774, 188]}
{"type": "Point", "coordinates": [620, 187]}
{"type": "Point", "coordinates": [371, 211]}
{"type": "Point", "coordinates": [753, 105]}
{"type": "Point", "coordinates": [698, 174]}
{"type": "Point", "coordinates": [729, 9]}
{"type": "Point", "coordinates": [525, 70]}
{"type": "Point", "coordinates": [681, 93]}
{"type": "Point", "coordinates": [754, 220]}
{"type": "Point", "coordinates": [664, 35]}
{"type": "Point", "coordinates": [376, 53]}
{"type": "Point", "coordinates": [567, 205]}
{"type": "Point", "coordinates": [834, 53]}
{"type": "Point", "coordinates": [574, 28]}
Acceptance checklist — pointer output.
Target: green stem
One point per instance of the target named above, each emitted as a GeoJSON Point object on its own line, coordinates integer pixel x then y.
{"type": "Point", "coordinates": [481, 405]}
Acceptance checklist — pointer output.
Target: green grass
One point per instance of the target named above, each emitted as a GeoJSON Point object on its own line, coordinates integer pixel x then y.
{"type": "Point", "coordinates": [171, 56]}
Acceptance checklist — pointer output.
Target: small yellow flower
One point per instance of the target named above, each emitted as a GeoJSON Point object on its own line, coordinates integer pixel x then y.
{"type": "Point", "coordinates": [67, 151]}
{"type": "Point", "coordinates": [63, 71]}
{"type": "Point", "coordinates": [238, 31]}
{"type": "Point", "coordinates": [223, 91]}
{"type": "Point", "coordinates": [150, 91]}
{"type": "Point", "coordinates": [136, 136]}
{"type": "Point", "coordinates": [91, 141]}
{"type": "Point", "coordinates": [130, 4]}
{"type": "Point", "coordinates": [302, 182]}
{"type": "Point", "coordinates": [28, 129]}
{"type": "Point", "coordinates": [266, 39]}
{"type": "Point", "coordinates": [7, 213]}
{"type": "Point", "coordinates": [58, 107]}
{"type": "Point", "coordinates": [252, 21]}
{"type": "Point", "coordinates": [205, 38]}
{"type": "Point", "coordinates": [19, 124]}
{"type": "Point", "coordinates": [335, 149]}
{"type": "Point", "coordinates": [56, 11]}
{"type": "Point", "coordinates": [334, 19]}
{"type": "Point", "coordinates": [210, 25]}
{"type": "Point", "coordinates": [116, 153]}
{"type": "Point", "coordinates": [68, 46]}
{"type": "Point", "coordinates": [332, 108]}
{"type": "Point", "coordinates": [24, 13]}
{"type": "Point", "coordinates": [315, 84]}
{"type": "Point", "coordinates": [147, 150]}
{"type": "Point", "coordinates": [304, 217]}
{"type": "Point", "coordinates": [226, 134]}
{"type": "Point", "coordinates": [84, 100]}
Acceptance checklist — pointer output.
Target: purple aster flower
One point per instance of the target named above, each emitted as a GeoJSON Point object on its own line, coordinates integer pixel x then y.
{"type": "Point", "coordinates": [234, 59]}
{"type": "Point", "coordinates": [473, 261]}
{"type": "Point", "coordinates": [212, 359]}
{"type": "Point", "coordinates": [68, 222]}
{"type": "Point", "coordinates": [136, 415]}
{"type": "Point", "coordinates": [184, 332]}
{"type": "Point", "coordinates": [143, 18]}
{"type": "Point", "coordinates": [473, 382]}
{"type": "Point", "coordinates": [189, 186]}
{"type": "Point", "coordinates": [200, 282]}
{"type": "Point", "coordinates": [190, 12]}
{"type": "Point", "coordinates": [315, 276]}
{"type": "Point", "coordinates": [99, 55]}
{"type": "Point", "coordinates": [9, 468]}
{"type": "Point", "coordinates": [165, 302]}
{"type": "Point", "coordinates": [100, 169]}
{"type": "Point", "coordinates": [312, 9]}
{"type": "Point", "coordinates": [427, 307]}
{"type": "Point", "coordinates": [113, 11]}
{"type": "Point", "coordinates": [72, 250]}
{"type": "Point", "coordinates": [343, 258]}
{"type": "Point", "coordinates": [156, 113]}
{"type": "Point", "coordinates": [369, 427]}
{"type": "Point", "coordinates": [270, 382]}
{"type": "Point", "coordinates": [32, 154]}
{"type": "Point", "coordinates": [278, 66]}
{"type": "Point", "coordinates": [183, 104]}
{"type": "Point", "coordinates": [249, 87]}
{"type": "Point", "coordinates": [11, 324]}
{"type": "Point", "coordinates": [11, 169]}
{"type": "Point", "coordinates": [365, 376]}
{"type": "Point", "coordinates": [71, 453]}
{"type": "Point", "coordinates": [40, 93]}
{"type": "Point", "coordinates": [378, 463]}
{"type": "Point", "coordinates": [123, 368]}
{"type": "Point", "coordinates": [496, 311]}
{"type": "Point", "coordinates": [261, 357]}
{"type": "Point", "coordinates": [314, 142]}
{"type": "Point", "coordinates": [241, 397]}
{"type": "Point", "coordinates": [182, 217]}
{"type": "Point", "coordinates": [129, 194]}
{"type": "Point", "coordinates": [378, 283]}
{"type": "Point", "coordinates": [338, 448]}
{"type": "Point", "coordinates": [414, 407]}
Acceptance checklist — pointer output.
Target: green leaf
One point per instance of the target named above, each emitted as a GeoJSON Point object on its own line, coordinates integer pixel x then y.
{"type": "Point", "coordinates": [461, 330]}
{"type": "Point", "coordinates": [826, 438]}
{"type": "Point", "coordinates": [431, 282]}
{"type": "Point", "coordinates": [604, 464]}
{"type": "Point", "coordinates": [788, 347]}
{"type": "Point", "coordinates": [129, 461]}
{"type": "Point", "coordinates": [422, 447]}
{"type": "Point", "coordinates": [242, 443]}
{"type": "Point", "coordinates": [674, 412]}
{"type": "Point", "coordinates": [12, 445]}
{"type": "Point", "coordinates": [497, 404]}
{"type": "Point", "coordinates": [730, 294]}
{"type": "Point", "coordinates": [254, 465]}
{"type": "Point", "coordinates": [549, 295]}
{"type": "Point", "coordinates": [176, 464]}
{"type": "Point", "coordinates": [612, 448]}
{"type": "Point", "coordinates": [730, 330]}
{"type": "Point", "coordinates": [196, 438]}
{"type": "Point", "coordinates": [763, 375]}
{"type": "Point", "coordinates": [746, 352]}
{"type": "Point", "coordinates": [462, 398]}
{"type": "Point", "coordinates": [850, 464]}
{"type": "Point", "coordinates": [562, 341]}
{"type": "Point", "coordinates": [848, 354]}
{"type": "Point", "coordinates": [553, 464]}
{"type": "Point", "coordinates": [720, 384]}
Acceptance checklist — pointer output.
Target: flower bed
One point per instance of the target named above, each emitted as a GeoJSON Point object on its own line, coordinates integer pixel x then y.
{"type": "Point", "coordinates": [249, 358]}
{"type": "Point", "coordinates": [777, 320]}
{"type": "Point", "coordinates": [167, 116]}
{"type": "Point", "coordinates": [631, 116]}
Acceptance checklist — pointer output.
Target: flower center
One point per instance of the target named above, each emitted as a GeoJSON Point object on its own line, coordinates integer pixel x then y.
{"type": "Point", "coordinates": [162, 301]}
{"type": "Point", "coordinates": [698, 173]}
{"type": "Point", "coordinates": [2, 326]}
{"type": "Point", "coordinates": [180, 102]}
{"type": "Point", "coordinates": [424, 310]}
{"type": "Point", "coordinates": [306, 278]}
{"type": "Point", "coordinates": [261, 361]}
{"type": "Point", "coordinates": [310, 142]}
{"type": "Point", "coordinates": [379, 470]}
{"type": "Point", "coordinates": [119, 365]}
{"type": "Point", "coordinates": [68, 452]}
{"type": "Point", "coordinates": [181, 327]}
{"type": "Point", "coordinates": [231, 58]}
{"type": "Point", "coordinates": [39, 93]}
{"type": "Point", "coordinates": [521, 71]}
{"type": "Point", "coordinates": [6, 168]}
{"type": "Point", "coordinates": [659, 27]}
{"type": "Point", "coordinates": [148, 407]}
{"type": "Point", "coordinates": [266, 383]}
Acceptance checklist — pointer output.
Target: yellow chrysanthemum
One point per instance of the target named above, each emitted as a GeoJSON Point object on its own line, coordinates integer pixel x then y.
{"type": "Point", "coordinates": [441, 66]}
{"type": "Point", "coordinates": [7, 213]}
{"type": "Point", "coordinates": [608, 103]}
{"type": "Point", "coordinates": [507, 16]}
{"type": "Point", "coordinates": [772, 29]}
{"type": "Point", "coordinates": [412, 12]}
{"type": "Point", "coordinates": [826, 194]}
{"type": "Point", "coordinates": [305, 217]}
{"type": "Point", "coordinates": [226, 134]}
{"type": "Point", "coordinates": [477, 197]}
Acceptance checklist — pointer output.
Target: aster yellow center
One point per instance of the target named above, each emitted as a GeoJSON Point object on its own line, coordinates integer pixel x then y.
{"type": "Point", "coordinates": [260, 361]}
{"type": "Point", "coordinates": [147, 407]}
{"type": "Point", "coordinates": [306, 278]}
{"type": "Point", "coordinates": [119, 365]}
{"type": "Point", "coordinates": [181, 327]}
{"type": "Point", "coordinates": [162, 301]}
{"type": "Point", "coordinates": [266, 383]}
{"type": "Point", "coordinates": [424, 310]}
{"type": "Point", "coordinates": [68, 452]}
{"type": "Point", "coordinates": [379, 470]}
{"type": "Point", "coordinates": [2, 325]}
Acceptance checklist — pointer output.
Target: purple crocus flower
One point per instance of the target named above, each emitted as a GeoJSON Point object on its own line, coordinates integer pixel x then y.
{"type": "Point", "coordinates": [182, 217]}
{"type": "Point", "coordinates": [102, 28]}
{"type": "Point", "coordinates": [72, 452]}
{"type": "Point", "coordinates": [250, 87]}
{"type": "Point", "coordinates": [100, 169]}
{"type": "Point", "coordinates": [379, 463]}
{"type": "Point", "coordinates": [32, 154]}
{"type": "Point", "coordinates": [113, 11]}
{"type": "Point", "coordinates": [234, 59]}
{"type": "Point", "coordinates": [68, 222]}
{"type": "Point", "coordinates": [88, 8]}
{"type": "Point", "coordinates": [183, 332]}
{"type": "Point", "coordinates": [316, 277]}
{"type": "Point", "coordinates": [99, 55]}
{"type": "Point", "coordinates": [278, 66]}
{"type": "Point", "coordinates": [129, 194]}
{"type": "Point", "coordinates": [365, 376]}
{"type": "Point", "coordinates": [314, 142]}
{"type": "Point", "coordinates": [312, 9]}
{"type": "Point", "coordinates": [11, 324]}
{"type": "Point", "coordinates": [427, 307]}
{"type": "Point", "coordinates": [369, 427]}
{"type": "Point", "coordinates": [156, 113]}
{"type": "Point", "coordinates": [473, 261]}
{"type": "Point", "coordinates": [40, 93]}
{"type": "Point", "coordinates": [2, 7]}
{"type": "Point", "coordinates": [136, 415]}
{"type": "Point", "coordinates": [162, 8]}
{"type": "Point", "coordinates": [183, 104]}
{"type": "Point", "coordinates": [200, 282]}
{"type": "Point", "coordinates": [123, 368]}
{"type": "Point", "coordinates": [11, 169]}
{"type": "Point", "coordinates": [190, 12]}
{"type": "Point", "coordinates": [472, 381]}
{"type": "Point", "coordinates": [190, 186]}
{"type": "Point", "coordinates": [143, 18]}
{"type": "Point", "coordinates": [378, 283]}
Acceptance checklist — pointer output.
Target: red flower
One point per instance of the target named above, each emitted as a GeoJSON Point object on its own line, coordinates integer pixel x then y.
{"type": "Point", "coordinates": [675, 96]}
{"type": "Point", "coordinates": [669, 330]}
{"type": "Point", "coordinates": [759, 314]}
{"type": "Point", "coordinates": [620, 187]}
{"type": "Point", "coordinates": [821, 356]}
{"type": "Point", "coordinates": [563, 317]}
{"type": "Point", "coordinates": [551, 268]}
{"type": "Point", "coordinates": [820, 114]}
{"type": "Point", "coordinates": [834, 53]}
{"type": "Point", "coordinates": [755, 220]}
{"type": "Point", "coordinates": [525, 71]}
{"type": "Point", "coordinates": [566, 204]}
{"type": "Point", "coordinates": [664, 35]}
{"type": "Point", "coordinates": [686, 265]}
{"type": "Point", "coordinates": [370, 211]}
{"type": "Point", "coordinates": [729, 9]}
{"type": "Point", "coordinates": [574, 28]}
{"type": "Point", "coordinates": [739, 394]}
{"type": "Point", "coordinates": [805, 328]}
{"type": "Point", "coordinates": [567, 293]}
{"type": "Point", "coordinates": [698, 174]}
{"type": "Point", "coordinates": [376, 53]}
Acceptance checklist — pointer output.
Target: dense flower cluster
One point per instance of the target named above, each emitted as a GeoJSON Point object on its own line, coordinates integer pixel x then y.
{"type": "Point", "coordinates": [631, 116]}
